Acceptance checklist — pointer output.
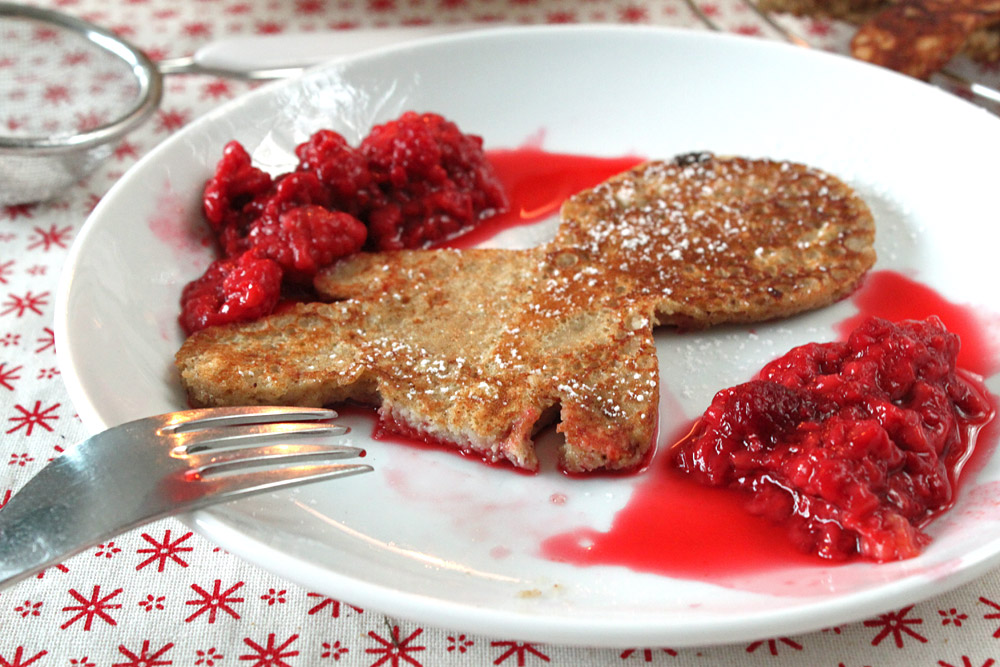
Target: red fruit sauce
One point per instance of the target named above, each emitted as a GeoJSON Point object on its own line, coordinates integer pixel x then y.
{"type": "Point", "coordinates": [852, 445]}
{"type": "Point", "coordinates": [675, 526]}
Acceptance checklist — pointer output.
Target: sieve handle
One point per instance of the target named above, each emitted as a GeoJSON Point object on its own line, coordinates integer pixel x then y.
{"type": "Point", "coordinates": [276, 56]}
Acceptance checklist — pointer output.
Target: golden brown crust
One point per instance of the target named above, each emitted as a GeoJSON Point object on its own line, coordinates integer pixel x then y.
{"type": "Point", "coordinates": [725, 240]}
{"type": "Point", "coordinates": [479, 348]}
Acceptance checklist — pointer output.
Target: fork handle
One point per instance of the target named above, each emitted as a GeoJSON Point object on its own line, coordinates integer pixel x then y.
{"type": "Point", "coordinates": [50, 519]}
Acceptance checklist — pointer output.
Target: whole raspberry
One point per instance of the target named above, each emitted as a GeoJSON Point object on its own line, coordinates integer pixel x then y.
{"type": "Point", "coordinates": [235, 289]}
{"type": "Point", "coordinates": [305, 239]}
{"type": "Point", "coordinates": [342, 170]}
{"type": "Point", "coordinates": [434, 180]}
{"type": "Point", "coordinates": [288, 191]}
{"type": "Point", "coordinates": [235, 184]}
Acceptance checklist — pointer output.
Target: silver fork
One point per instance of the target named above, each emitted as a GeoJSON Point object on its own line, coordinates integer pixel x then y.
{"type": "Point", "coordinates": [143, 470]}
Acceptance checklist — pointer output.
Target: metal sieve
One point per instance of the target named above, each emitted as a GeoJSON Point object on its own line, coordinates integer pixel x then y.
{"type": "Point", "coordinates": [49, 63]}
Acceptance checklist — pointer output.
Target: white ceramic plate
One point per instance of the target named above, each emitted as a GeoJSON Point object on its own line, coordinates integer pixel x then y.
{"type": "Point", "coordinates": [448, 541]}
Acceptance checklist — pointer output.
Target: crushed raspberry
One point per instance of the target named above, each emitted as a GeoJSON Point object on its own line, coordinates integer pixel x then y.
{"type": "Point", "coordinates": [305, 239]}
{"type": "Point", "coordinates": [289, 191]}
{"type": "Point", "coordinates": [342, 169]}
{"type": "Point", "coordinates": [853, 445]}
{"type": "Point", "coordinates": [435, 182]}
{"type": "Point", "coordinates": [235, 184]}
{"type": "Point", "coordinates": [235, 289]}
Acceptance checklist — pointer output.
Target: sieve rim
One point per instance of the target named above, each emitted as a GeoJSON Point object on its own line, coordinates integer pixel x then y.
{"type": "Point", "coordinates": [147, 75]}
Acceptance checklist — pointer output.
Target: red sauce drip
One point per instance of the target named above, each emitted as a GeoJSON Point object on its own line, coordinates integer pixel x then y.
{"type": "Point", "coordinates": [674, 526]}
{"type": "Point", "coordinates": [895, 297]}
{"type": "Point", "coordinates": [390, 430]}
{"type": "Point", "coordinates": [537, 183]}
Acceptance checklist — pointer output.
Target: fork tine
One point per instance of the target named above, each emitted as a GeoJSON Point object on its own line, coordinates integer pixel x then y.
{"type": "Point", "coordinates": [228, 436]}
{"type": "Point", "coordinates": [210, 461]}
{"type": "Point", "coordinates": [192, 420]}
{"type": "Point", "coordinates": [238, 485]}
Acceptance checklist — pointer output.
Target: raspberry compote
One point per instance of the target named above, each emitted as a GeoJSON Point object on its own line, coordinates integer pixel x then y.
{"type": "Point", "coordinates": [413, 182]}
{"type": "Point", "coordinates": [431, 182]}
{"type": "Point", "coordinates": [854, 446]}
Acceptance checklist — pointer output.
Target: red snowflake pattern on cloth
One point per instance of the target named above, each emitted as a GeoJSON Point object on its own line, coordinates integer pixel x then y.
{"type": "Point", "coordinates": [108, 550]}
{"type": "Point", "coordinates": [15, 211]}
{"type": "Point", "coordinates": [334, 650]}
{"type": "Point", "coordinates": [47, 341]}
{"type": "Point", "coordinates": [270, 654]}
{"type": "Point", "coordinates": [53, 237]}
{"type": "Point", "coordinates": [519, 651]}
{"type": "Point", "coordinates": [91, 608]}
{"type": "Point", "coordinates": [273, 597]}
{"type": "Point", "coordinates": [208, 657]}
{"type": "Point", "coordinates": [60, 566]}
{"type": "Point", "coordinates": [10, 340]}
{"type": "Point", "coordinates": [334, 605]}
{"type": "Point", "coordinates": [19, 306]}
{"type": "Point", "coordinates": [772, 645]}
{"type": "Point", "coordinates": [459, 643]}
{"type": "Point", "coordinates": [19, 659]}
{"type": "Point", "coordinates": [646, 653]}
{"type": "Point", "coordinates": [995, 615]}
{"type": "Point", "coordinates": [395, 651]}
{"type": "Point", "coordinates": [172, 120]}
{"type": "Point", "coordinates": [29, 418]}
{"type": "Point", "coordinates": [897, 624]}
{"type": "Point", "coordinates": [153, 602]}
{"type": "Point", "coordinates": [145, 657]}
{"type": "Point", "coordinates": [126, 150]}
{"type": "Point", "coordinates": [952, 616]}
{"type": "Point", "coordinates": [21, 459]}
{"type": "Point", "coordinates": [8, 375]}
{"type": "Point", "coordinates": [216, 601]}
{"type": "Point", "coordinates": [29, 608]}
{"type": "Point", "coordinates": [164, 550]}
{"type": "Point", "coordinates": [967, 662]}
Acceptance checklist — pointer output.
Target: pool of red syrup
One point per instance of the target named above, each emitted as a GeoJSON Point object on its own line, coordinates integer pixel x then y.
{"type": "Point", "coordinates": [896, 297]}
{"type": "Point", "coordinates": [537, 183]}
{"type": "Point", "coordinates": [674, 526]}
